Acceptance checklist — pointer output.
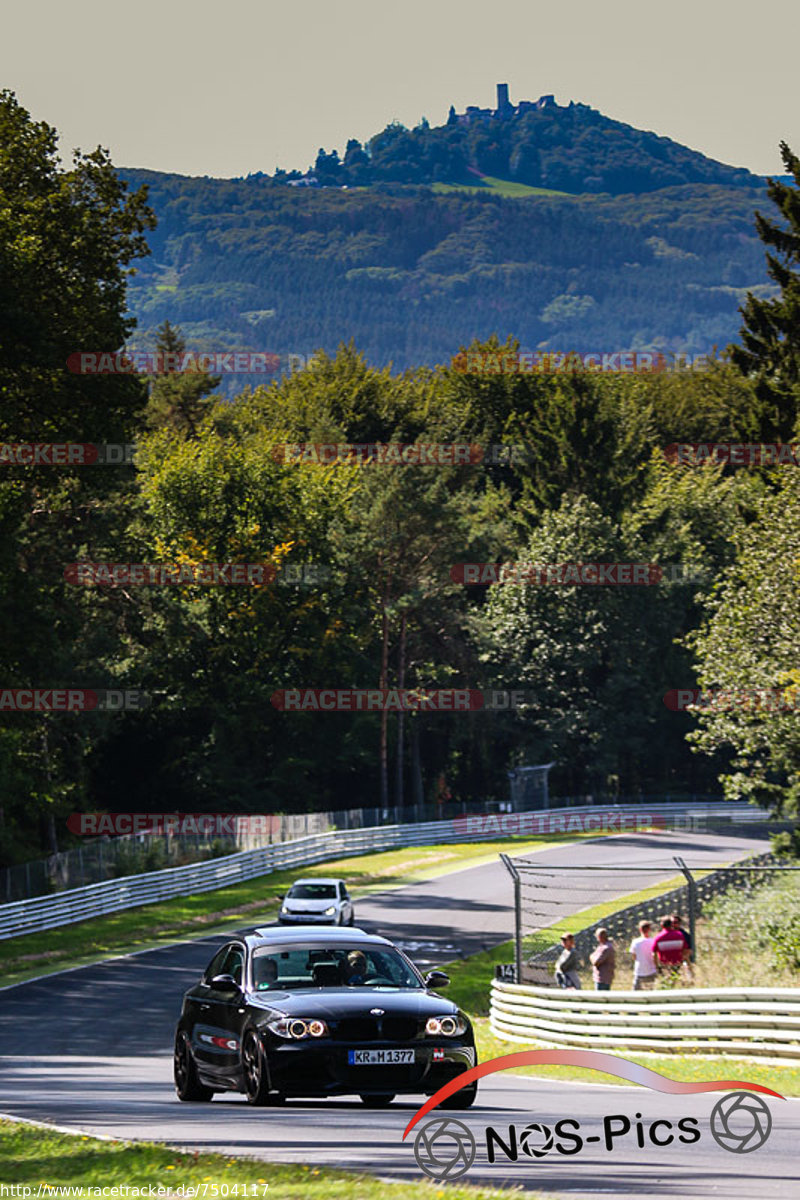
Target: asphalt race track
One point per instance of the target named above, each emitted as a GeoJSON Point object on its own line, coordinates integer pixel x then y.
{"type": "Point", "coordinates": [90, 1049]}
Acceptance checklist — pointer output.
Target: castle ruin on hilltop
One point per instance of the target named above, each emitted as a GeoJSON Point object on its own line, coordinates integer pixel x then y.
{"type": "Point", "coordinates": [504, 108]}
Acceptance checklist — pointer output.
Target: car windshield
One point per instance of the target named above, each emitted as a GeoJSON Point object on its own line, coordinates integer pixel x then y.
{"type": "Point", "coordinates": [332, 966]}
{"type": "Point", "coordinates": [312, 891]}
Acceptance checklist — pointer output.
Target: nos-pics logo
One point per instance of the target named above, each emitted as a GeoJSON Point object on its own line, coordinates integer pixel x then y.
{"type": "Point", "coordinates": [446, 1148]}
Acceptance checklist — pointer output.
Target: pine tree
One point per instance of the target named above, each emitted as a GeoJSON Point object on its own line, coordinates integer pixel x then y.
{"type": "Point", "coordinates": [178, 401]}
{"type": "Point", "coordinates": [770, 349]}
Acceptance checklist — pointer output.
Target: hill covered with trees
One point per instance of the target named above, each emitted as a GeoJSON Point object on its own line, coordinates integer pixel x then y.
{"type": "Point", "coordinates": [571, 148]}
{"type": "Point", "coordinates": [550, 223]}
{"type": "Point", "coordinates": [412, 275]}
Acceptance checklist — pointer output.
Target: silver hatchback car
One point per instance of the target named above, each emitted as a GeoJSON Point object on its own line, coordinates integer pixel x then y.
{"type": "Point", "coordinates": [317, 902]}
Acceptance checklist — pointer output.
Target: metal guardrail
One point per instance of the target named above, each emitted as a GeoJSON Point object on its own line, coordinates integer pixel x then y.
{"type": "Point", "coordinates": [103, 855]}
{"type": "Point", "coordinates": [114, 895]}
{"type": "Point", "coordinates": [757, 1022]}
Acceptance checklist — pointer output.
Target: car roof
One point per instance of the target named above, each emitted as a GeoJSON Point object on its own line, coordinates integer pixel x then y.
{"type": "Point", "coordinates": [315, 879]}
{"type": "Point", "coordinates": [278, 935]}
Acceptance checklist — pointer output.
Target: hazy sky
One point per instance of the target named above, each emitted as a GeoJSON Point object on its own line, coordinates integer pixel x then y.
{"type": "Point", "coordinates": [225, 88]}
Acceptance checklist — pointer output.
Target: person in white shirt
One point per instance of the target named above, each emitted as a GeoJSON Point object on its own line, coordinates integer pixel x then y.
{"type": "Point", "coordinates": [644, 963]}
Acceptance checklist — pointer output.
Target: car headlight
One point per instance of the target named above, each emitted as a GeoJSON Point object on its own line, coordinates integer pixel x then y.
{"type": "Point", "coordinates": [449, 1026]}
{"type": "Point", "coordinates": [284, 908]}
{"type": "Point", "coordinates": [297, 1028]}
{"type": "Point", "coordinates": [330, 911]}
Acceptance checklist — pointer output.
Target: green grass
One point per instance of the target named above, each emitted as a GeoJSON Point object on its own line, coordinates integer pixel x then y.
{"type": "Point", "coordinates": [503, 187]}
{"type": "Point", "coordinates": [244, 903]}
{"type": "Point", "coordinates": [33, 1155]}
{"type": "Point", "coordinates": [752, 938]}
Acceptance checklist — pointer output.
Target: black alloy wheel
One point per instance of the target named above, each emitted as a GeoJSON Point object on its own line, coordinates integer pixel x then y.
{"type": "Point", "coordinates": [187, 1085]}
{"type": "Point", "coordinates": [254, 1069]}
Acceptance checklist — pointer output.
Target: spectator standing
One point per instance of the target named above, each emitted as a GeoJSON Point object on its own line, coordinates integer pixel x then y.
{"type": "Point", "coordinates": [567, 964]}
{"type": "Point", "coordinates": [644, 964]}
{"type": "Point", "coordinates": [670, 948]}
{"type": "Point", "coordinates": [603, 960]}
{"type": "Point", "coordinates": [677, 923]}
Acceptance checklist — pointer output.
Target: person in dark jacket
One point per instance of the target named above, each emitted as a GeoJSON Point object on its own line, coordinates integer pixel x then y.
{"type": "Point", "coordinates": [567, 965]}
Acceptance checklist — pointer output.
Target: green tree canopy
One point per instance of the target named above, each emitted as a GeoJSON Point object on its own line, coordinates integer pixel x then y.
{"type": "Point", "coordinates": [749, 647]}
{"type": "Point", "coordinates": [770, 336]}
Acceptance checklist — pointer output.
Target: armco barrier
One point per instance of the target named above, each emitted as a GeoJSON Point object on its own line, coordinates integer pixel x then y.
{"type": "Point", "coordinates": [757, 1022]}
{"type": "Point", "coordinates": [113, 895]}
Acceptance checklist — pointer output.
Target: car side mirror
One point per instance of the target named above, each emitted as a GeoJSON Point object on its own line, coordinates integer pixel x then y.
{"type": "Point", "coordinates": [436, 979]}
{"type": "Point", "coordinates": [225, 983]}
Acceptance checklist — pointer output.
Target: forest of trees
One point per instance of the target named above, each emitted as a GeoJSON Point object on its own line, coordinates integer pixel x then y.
{"type": "Point", "coordinates": [208, 486]}
{"type": "Point", "coordinates": [410, 275]}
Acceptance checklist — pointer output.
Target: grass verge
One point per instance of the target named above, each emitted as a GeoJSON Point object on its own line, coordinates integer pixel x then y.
{"type": "Point", "coordinates": [244, 903]}
{"type": "Point", "coordinates": [32, 1155]}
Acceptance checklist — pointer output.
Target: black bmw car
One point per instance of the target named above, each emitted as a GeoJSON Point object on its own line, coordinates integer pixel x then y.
{"type": "Point", "coordinates": [319, 1012]}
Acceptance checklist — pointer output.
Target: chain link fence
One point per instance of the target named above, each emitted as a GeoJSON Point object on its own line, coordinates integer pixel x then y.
{"type": "Point", "coordinates": [545, 899]}
{"type": "Point", "coordinates": [99, 858]}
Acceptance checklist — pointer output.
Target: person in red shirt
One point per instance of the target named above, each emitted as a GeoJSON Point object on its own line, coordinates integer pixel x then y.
{"type": "Point", "coordinates": [670, 948]}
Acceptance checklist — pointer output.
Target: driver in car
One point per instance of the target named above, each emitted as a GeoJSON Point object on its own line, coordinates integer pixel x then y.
{"type": "Point", "coordinates": [355, 968]}
{"type": "Point", "coordinates": [267, 972]}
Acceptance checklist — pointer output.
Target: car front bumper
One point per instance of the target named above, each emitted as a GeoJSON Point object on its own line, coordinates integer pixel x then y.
{"type": "Point", "coordinates": [307, 919]}
{"type": "Point", "coordinates": [322, 1068]}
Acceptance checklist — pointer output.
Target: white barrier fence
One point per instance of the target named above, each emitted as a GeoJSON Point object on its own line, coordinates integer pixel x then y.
{"type": "Point", "coordinates": [754, 1021]}
{"type": "Point", "coordinates": [113, 895]}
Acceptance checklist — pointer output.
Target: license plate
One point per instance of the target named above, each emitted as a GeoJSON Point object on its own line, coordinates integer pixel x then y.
{"type": "Point", "coordinates": [360, 1058]}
